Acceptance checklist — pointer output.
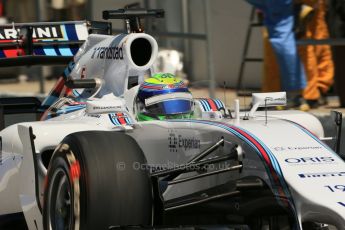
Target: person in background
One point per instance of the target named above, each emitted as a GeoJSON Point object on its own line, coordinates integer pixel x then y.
{"type": "Point", "coordinates": [317, 59]}
{"type": "Point", "coordinates": [279, 21]}
{"type": "Point", "coordinates": [336, 23]}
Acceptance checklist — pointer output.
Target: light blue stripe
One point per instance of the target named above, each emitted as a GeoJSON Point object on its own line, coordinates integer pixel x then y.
{"type": "Point", "coordinates": [203, 105]}
{"type": "Point", "coordinates": [128, 121]}
{"type": "Point", "coordinates": [75, 106]}
{"type": "Point", "coordinates": [64, 32]}
{"type": "Point", "coordinates": [274, 161]}
{"type": "Point", "coordinates": [71, 65]}
{"type": "Point", "coordinates": [50, 51]}
{"type": "Point", "coordinates": [67, 72]}
{"type": "Point", "coordinates": [75, 93]}
{"type": "Point", "coordinates": [217, 103]}
{"type": "Point", "coordinates": [65, 51]}
{"type": "Point", "coordinates": [271, 156]}
{"type": "Point", "coordinates": [220, 103]}
{"type": "Point", "coordinates": [316, 139]}
{"type": "Point", "coordinates": [69, 68]}
{"type": "Point", "coordinates": [64, 111]}
{"type": "Point", "coordinates": [113, 119]}
{"type": "Point", "coordinates": [207, 106]}
{"type": "Point", "coordinates": [236, 133]}
{"type": "Point", "coordinates": [50, 100]}
{"type": "Point", "coordinates": [72, 108]}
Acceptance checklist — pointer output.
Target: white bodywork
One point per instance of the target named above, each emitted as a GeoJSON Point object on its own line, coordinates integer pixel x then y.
{"type": "Point", "coordinates": [310, 172]}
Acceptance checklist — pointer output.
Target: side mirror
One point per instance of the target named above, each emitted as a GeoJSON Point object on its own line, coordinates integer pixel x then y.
{"type": "Point", "coordinates": [267, 100]}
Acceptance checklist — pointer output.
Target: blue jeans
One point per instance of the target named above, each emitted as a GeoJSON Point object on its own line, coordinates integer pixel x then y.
{"type": "Point", "coordinates": [279, 20]}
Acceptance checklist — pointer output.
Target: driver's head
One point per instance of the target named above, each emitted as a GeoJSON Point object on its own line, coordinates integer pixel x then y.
{"type": "Point", "coordinates": [163, 96]}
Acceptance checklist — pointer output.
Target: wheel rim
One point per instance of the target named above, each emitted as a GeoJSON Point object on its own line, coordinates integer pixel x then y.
{"type": "Point", "coordinates": [60, 202]}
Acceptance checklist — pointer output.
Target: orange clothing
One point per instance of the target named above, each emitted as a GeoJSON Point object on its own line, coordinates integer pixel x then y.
{"type": "Point", "coordinates": [271, 76]}
{"type": "Point", "coordinates": [317, 59]}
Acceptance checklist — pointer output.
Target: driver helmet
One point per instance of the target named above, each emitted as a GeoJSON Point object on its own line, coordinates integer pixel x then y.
{"type": "Point", "coordinates": [163, 96]}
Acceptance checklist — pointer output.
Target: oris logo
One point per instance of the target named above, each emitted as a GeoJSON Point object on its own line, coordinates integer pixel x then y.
{"type": "Point", "coordinates": [309, 160]}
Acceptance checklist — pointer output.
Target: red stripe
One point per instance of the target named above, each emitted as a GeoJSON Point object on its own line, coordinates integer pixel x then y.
{"type": "Point", "coordinates": [212, 104]}
{"type": "Point", "coordinates": [7, 40]}
{"type": "Point", "coordinates": [265, 156]}
{"type": "Point", "coordinates": [75, 171]}
{"type": "Point", "coordinates": [58, 87]}
{"type": "Point", "coordinates": [261, 150]}
{"type": "Point", "coordinates": [1, 9]}
{"type": "Point", "coordinates": [13, 52]}
{"type": "Point", "coordinates": [152, 87]}
{"type": "Point", "coordinates": [68, 92]}
{"type": "Point", "coordinates": [121, 118]}
{"type": "Point", "coordinates": [60, 84]}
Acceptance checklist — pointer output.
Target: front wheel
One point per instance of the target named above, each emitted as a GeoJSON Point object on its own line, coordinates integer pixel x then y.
{"type": "Point", "coordinates": [92, 184]}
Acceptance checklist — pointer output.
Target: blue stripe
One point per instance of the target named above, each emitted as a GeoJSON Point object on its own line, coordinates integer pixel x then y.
{"type": "Point", "coordinates": [207, 106]}
{"type": "Point", "coordinates": [2, 54]}
{"type": "Point", "coordinates": [202, 104]}
{"type": "Point", "coordinates": [63, 28]}
{"type": "Point", "coordinates": [222, 103]}
{"type": "Point", "coordinates": [278, 170]}
{"type": "Point", "coordinates": [219, 103]}
{"type": "Point", "coordinates": [56, 48]}
{"type": "Point", "coordinates": [75, 93]}
{"type": "Point", "coordinates": [316, 139]}
{"type": "Point", "coordinates": [50, 51]}
{"type": "Point", "coordinates": [69, 110]}
{"type": "Point", "coordinates": [76, 106]}
{"type": "Point", "coordinates": [113, 119]}
{"type": "Point", "coordinates": [39, 50]}
{"type": "Point", "coordinates": [71, 32]}
{"type": "Point", "coordinates": [273, 159]}
{"type": "Point", "coordinates": [284, 185]}
{"type": "Point", "coordinates": [74, 49]}
{"type": "Point", "coordinates": [66, 72]}
{"type": "Point", "coordinates": [128, 121]}
{"type": "Point", "coordinates": [65, 51]}
{"type": "Point", "coordinates": [73, 108]}
{"type": "Point", "coordinates": [49, 100]}
{"type": "Point", "coordinates": [71, 65]}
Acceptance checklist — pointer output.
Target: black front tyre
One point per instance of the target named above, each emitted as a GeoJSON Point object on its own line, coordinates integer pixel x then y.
{"type": "Point", "coordinates": [94, 182]}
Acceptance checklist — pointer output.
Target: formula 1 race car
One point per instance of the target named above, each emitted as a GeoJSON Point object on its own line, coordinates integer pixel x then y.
{"type": "Point", "coordinates": [121, 146]}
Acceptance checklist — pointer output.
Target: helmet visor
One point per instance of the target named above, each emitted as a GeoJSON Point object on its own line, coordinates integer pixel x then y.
{"type": "Point", "coordinates": [169, 104]}
{"type": "Point", "coordinates": [170, 107]}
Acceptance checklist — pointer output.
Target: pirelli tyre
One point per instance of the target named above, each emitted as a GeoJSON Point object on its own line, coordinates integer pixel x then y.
{"type": "Point", "coordinates": [92, 184]}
